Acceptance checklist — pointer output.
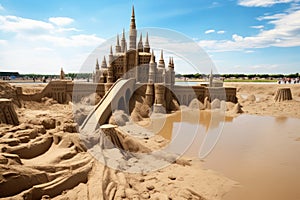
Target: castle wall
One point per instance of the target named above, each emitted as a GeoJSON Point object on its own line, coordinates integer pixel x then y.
{"type": "Point", "coordinates": [65, 91]}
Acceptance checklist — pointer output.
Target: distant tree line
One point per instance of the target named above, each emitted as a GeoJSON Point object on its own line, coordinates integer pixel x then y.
{"type": "Point", "coordinates": [70, 75]}
{"type": "Point", "coordinates": [239, 76]}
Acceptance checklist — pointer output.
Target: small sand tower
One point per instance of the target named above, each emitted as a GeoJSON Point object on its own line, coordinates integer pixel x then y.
{"type": "Point", "coordinates": [8, 114]}
{"type": "Point", "coordinates": [62, 74]}
{"type": "Point", "coordinates": [283, 94]}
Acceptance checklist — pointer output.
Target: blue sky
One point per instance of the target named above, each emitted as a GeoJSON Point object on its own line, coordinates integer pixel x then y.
{"type": "Point", "coordinates": [240, 36]}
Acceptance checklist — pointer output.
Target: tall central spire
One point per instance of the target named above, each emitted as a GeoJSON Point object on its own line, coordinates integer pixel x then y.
{"type": "Point", "coordinates": [132, 32]}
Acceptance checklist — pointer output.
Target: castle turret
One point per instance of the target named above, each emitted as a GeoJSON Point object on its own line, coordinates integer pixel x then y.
{"type": "Point", "coordinates": [104, 64]}
{"type": "Point", "coordinates": [110, 74]}
{"type": "Point", "coordinates": [150, 94]}
{"type": "Point", "coordinates": [111, 56]}
{"type": "Point", "coordinates": [152, 69]}
{"type": "Point", "coordinates": [171, 72]}
{"type": "Point", "coordinates": [123, 41]}
{"type": "Point", "coordinates": [140, 44]}
{"type": "Point", "coordinates": [132, 33]}
{"type": "Point", "coordinates": [161, 63]}
{"type": "Point", "coordinates": [62, 74]}
{"type": "Point", "coordinates": [164, 76]}
{"type": "Point", "coordinates": [147, 46]}
{"type": "Point", "coordinates": [211, 79]}
{"type": "Point", "coordinates": [118, 47]}
{"type": "Point", "coordinates": [159, 90]}
{"type": "Point", "coordinates": [97, 64]}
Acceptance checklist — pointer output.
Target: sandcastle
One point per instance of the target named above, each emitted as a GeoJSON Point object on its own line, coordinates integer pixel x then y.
{"type": "Point", "coordinates": [283, 94]}
{"type": "Point", "coordinates": [8, 114]}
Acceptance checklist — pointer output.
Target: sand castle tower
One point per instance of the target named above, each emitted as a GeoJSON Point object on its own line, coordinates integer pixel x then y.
{"type": "Point", "coordinates": [8, 114]}
{"type": "Point", "coordinates": [62, 74]}
{"type": "Point", "coordinates": [132, 31]}
{"type": "Point", "coordinates": [211, 79]}
{"type": "Point", "coordinates": [159, 102]}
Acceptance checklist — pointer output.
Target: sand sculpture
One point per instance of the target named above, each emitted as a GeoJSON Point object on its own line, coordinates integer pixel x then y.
{"type": "Point", "coordinates": [283, 94]}
{"type": "Point", "coordinates": [7, 112]}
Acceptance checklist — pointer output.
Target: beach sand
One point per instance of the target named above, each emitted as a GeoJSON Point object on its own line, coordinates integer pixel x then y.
{"type": "Point", "coordinates": [45, 158]}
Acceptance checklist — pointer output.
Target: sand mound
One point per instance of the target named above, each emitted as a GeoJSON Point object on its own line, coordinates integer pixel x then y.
{"type": "Point", "coordinates": [215, 104]}
{"type": "Point", "coordinates": [92, 99]}
{"type": "Point", "coordinates": [119, 118]}
{"type": "Point", "coordinates": [196, 104]}
{"type": "Point", "coordinates": [9, 92]}
{"type": "Point", "coordinates": [251, 98]}
{"type": "Point", "coordinates": [42, 159]}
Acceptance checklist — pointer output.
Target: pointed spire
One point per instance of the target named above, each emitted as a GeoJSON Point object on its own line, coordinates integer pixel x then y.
{"type": "Point", "coordinates": [147, 46]}
{"type": "Point", "coordinates": [123, 41]}
{"type": "Point", "coordinates": [132, 12]}
{"type": "Point", "coordinates": [140, 44]}
{"type": "Point", "coordinates": [104, 65]}
{"type": "Point", "coordinates": [211, 78]}
{"type": "Point", "coordinates": [118, 43]}
{"type": "Point", "coordinates": [132, 31]}
{"type": "Point", "coordinates": [152, 57]}
{"type": "Point", "coordinates": [118, 47]}
{"type": "Point", "coordinates": [132, 23]}
{"type": "Point", "coordinates": [123, 34]}
{"type": "Point", "coordinates": [147, 41]}
{"type": "Point", "coordinates": [111, 56]}
{"type": "Point", "coordinates": [161, 60]}
{"type": "Point", "coordinates": [97, 64]}
{"type": "Point", "coordinates": [170, 62]}
{"type": "Point", "coordinates": [125, 48]}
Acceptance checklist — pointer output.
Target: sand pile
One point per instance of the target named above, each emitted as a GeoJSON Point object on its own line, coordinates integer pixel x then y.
{"type": "Point", "coordinates": [9, 92]}
{"type": "Point", "coordinates": [196, 104]}
{"type": "Point", "coordinates": [44, 157]}
{"type": "Point", "coordinates": [92, 99]}
{"type": "Point", "coordinates": [259, 99]}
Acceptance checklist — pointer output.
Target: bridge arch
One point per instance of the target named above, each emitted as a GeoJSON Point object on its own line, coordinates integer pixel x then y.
{"type": "Point", "coordinates": [121, 104]}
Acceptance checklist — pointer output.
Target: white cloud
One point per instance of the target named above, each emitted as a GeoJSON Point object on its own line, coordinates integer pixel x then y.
{"type": "Point", "coordinates": [257, 27]}
{"type": "Point", "coordinates": [263, 3]}
{"type": "Point", "coordinates": [1, 7]}
{"type": "Point", "coordinates": [285, 33]}
{"type": "Point", "coordinates": [2, 42]}
{"type": "Point", "coordinates": [221, 32]}
{"type": "Point", "coordinates": [271, 17]}
{"type": "Point", "coordinates": [209, 31]}
{"type": "Point", "coordinates": [36, 46]}
{"type": "Point", "coordinates": [61, 21]}
{"type": "Point", "coordinates": [19, 24]}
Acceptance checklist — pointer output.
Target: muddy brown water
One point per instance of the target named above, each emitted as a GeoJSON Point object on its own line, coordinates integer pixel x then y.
{"type": "Point", "coordinates": [261, 153]}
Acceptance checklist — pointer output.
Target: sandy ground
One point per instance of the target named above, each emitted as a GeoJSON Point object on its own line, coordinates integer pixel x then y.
{"type": "Point", "coordinates": [258, 99]}
{"type": "Point", "coordinates": [45, 158]}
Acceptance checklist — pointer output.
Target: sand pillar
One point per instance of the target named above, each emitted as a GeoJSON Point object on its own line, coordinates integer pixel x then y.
{"type": "Point", "coordinates": [110, 137]}
{"type": "Point", "coordinates": [283, 94]}
{"type": "Point", "coordinates": [150, 94]}
{"type": "Point", "coordinates": [8, 114]}
{"type": "Point", "coordinates": [160, 94]}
